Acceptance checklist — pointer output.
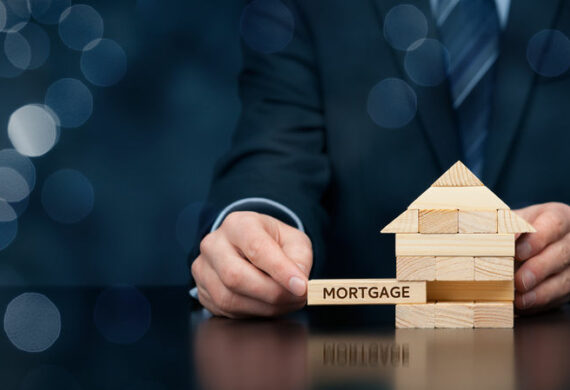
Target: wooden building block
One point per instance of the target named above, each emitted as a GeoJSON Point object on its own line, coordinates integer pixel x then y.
{"type": "Point", "coordinates": [457, 176]}
{"type": "Point", "coordinates": [462, 198]}
{"type": "Point", "coordinates": [454, 268]}
{"type": "Point", "coordinates": [510, 222]}
{"type": "Point", "coordinates": [364, 292]}
{"type": "Point", "coordinates": [438, 221]}
{"type": "Point", "coordinates": [477, 244]}
{"type": "Point", "coordinates": [493, 315]}
{"type": "Point", "coordinates": [407, 222]}
{"type": "Point", "coordinates": [488, 290]}
{"type": "Point", "coordinates": [415, 268]}
{"type": "Point", "coordinates": [477, 221]}
{"type": "Point", "coordinates": [454, 315]}
{"type": "Point", "coordinates": [420, 315]}
{"type": "Point", "coordinates": [494, 268]}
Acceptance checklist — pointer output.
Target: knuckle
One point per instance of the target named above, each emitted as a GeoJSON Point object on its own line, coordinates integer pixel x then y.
{"type": "Point", "coordinates": [206, 243]}
{"type": "Point", "coordinates": [254, 247]}
{"type": "Point", "coordinates": [231, 219]}
{"type": "Point", "coordinates": [231, 277]}
{"type": "Point", "coordinates": [194, 269]}
{"type": "Point", "coordinates": [555, 219]}
{"type": "Point", "coordinates": [239, 219]}
{"type": "Point", "coordinates": [224, 301]}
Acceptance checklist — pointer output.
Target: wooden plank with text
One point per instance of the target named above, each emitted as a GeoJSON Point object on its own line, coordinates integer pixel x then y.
{"type": "Point", "coordinates": [364, 292]}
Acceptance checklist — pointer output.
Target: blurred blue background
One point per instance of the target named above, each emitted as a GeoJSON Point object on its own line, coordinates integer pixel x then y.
{"type": "Point", "coordinates": [117, 186]}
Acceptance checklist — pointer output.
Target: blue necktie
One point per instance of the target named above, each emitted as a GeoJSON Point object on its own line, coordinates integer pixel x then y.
{"type": "Point", "coordinates": [470, 30]}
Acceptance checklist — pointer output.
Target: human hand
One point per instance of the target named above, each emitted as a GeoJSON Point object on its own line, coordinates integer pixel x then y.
{"type": "Point", "coordinates": [253, 265]}
{"type": "Point", "coordinates": [543, 279]}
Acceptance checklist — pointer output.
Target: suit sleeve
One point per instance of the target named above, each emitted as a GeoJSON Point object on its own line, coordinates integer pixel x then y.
{"type": "Point", "coordinates": [278, 148]}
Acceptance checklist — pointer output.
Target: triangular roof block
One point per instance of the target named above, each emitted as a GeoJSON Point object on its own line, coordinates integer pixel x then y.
{"type": "Point", "coordinates": [457, 176]}
{"type": "Point", "coordinates": [407, 222]}
{"type": "Point", "coordinates": [458, 188]}
{"type": "Point", "coordinates": [510, 222]}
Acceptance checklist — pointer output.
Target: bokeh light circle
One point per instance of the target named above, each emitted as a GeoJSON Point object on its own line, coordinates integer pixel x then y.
{"type": "Point", "coordinates": [267, 26]}
{"type": "Point", "coordinates": [79, 25]}
{"type": "Point", "coordinates": [49, 377]}
{"type": "Point", "coordinates": [122, 314]}
{"type": "Point", "coordinates": [392, 103]}
{"type": "Point", "coordinates": [32, 130]}
{"type": "Point", "coordinates": [67, 196]}
{"type": "Point", "coordinates": [426, 62]}
{"type": "Point", "coordinates": [38, 42]}
{"type": "Point", "coordinates": [3, 16]}
{"type": "Point", "coordinates": [71, 101]}
{"type": "Point", "coordinates": [8, 232]}
{"type": "Point", "coordinates": [103, 62]}
{"type": "Point", "coordinates": [12, 159]}
{"type": "Point", "coordinates": [7, 213]}
{"type": "Point", "coordinates": [404, 24]}
{"type": "Point", "coordinates": [32, 322]}
{"type": "Point", "coordinates": [16, 14]}
{"type": "Point", "coordinates": [548, 53]}
{"type": "Point", "coordinates": [48, 11]}
{"type": "Point", "coordinates": [7, 69]}
{"type": "Point", "coordinates": [17, 50]}
{"type": "Point", "coordinates": [13, 187]}
{"type": "Point", "coordinates": [187, 225]}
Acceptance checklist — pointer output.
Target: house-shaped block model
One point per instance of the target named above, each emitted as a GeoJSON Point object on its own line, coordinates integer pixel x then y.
{"type": "Point", "coordinates": [459, 238]}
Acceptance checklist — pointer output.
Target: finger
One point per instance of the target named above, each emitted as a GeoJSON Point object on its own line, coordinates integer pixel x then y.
{"type": "Point", "coordinates": [552, 260]}
{"type": "Point", "coordinates": [553, 291]}
{"type": "Point", "coordinates": [259, 244]}
{"type": "Point", "coordinates": [220, 300]}
{"type": "Point", "coordinates": [242, 277]}
{"type": "Point", "coordinates": [297, 246]}
{"type": "Point", "coordinates": [550, 227]}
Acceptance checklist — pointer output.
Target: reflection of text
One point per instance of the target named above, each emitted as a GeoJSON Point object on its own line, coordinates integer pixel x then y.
{"type": "Point", "coordinates": [373, 354]}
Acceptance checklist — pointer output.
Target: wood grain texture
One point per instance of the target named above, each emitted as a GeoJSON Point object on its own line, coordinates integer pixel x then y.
{"type": "Point", "coordinates": [500, 290]}
{"type": "Point", "coordinates": [477, 221]}
{"type": "Point", "coordinates": [415, 315]}
{"type": "Point", "coordinates": [438, 221]}
{"type": "Point", "coordinates": [494, 268]}
{"type": "Point", "coordinates": [462, 198]}
{"type": "Point", "coordinates": [407, 222]}
{"type": "Point", "coordinates": [415, 268]}
{"type": "Point", "coordinates": [364, 292]}
{"type": "Point", "coordinates": [457, 176]}
{"type": "Point", "coordinates": [493, 315]}
{"type": "Point", "coordinates": [476, 244]}
{"type": "Point", "coordinates": [454, 315]}
{"type": "Point", "coordinates": [455, 268]}
{"type": "Point", "coordinates": [510, 222]}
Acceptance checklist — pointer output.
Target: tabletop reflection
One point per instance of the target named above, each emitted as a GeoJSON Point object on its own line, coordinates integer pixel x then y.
{"type": "Point", "coordinates": [286, 354]}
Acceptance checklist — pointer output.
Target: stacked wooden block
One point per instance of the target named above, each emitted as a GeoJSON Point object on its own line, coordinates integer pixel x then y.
{"type": "Point", "coordinates": [459, 238]}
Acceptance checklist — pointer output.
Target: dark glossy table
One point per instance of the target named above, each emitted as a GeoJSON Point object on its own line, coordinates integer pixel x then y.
{"type": "Point", "coordinates": [124, 338]}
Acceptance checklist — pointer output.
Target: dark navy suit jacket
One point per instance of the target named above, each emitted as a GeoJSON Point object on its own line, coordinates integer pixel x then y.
{"type": "Point", "coordinates": [305, 139]}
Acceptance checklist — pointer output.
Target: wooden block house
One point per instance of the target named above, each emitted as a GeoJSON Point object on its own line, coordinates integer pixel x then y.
{"type": "Point", "coordinates": [459, 238]}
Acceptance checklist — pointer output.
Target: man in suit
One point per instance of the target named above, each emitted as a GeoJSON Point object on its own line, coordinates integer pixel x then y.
{"type": "Point", "coordinates": [348, 122]}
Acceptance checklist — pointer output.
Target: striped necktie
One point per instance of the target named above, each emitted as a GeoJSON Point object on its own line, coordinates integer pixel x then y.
{"type": "Point", "coordinates": [470, 30]}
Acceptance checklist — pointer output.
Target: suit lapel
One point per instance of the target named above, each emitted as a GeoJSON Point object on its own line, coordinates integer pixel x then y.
{"type": "Point", "coordinates": [435, 111]}
{"type": "Point", "coordinates": [515, 80]}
